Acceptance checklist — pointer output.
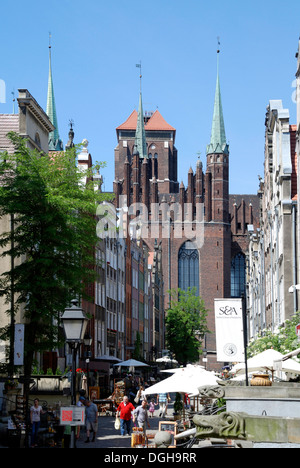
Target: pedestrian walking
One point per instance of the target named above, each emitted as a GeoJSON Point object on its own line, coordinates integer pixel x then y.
{"type": "Point", "coordinates": [152, 408]}
{"type": "Point", "coordinates": [124, 411]}
{"type": "Point", "coordinates": [141, 416]}
{"type": "Point", "coordinates": [187, 401]}
{"type": "Point", "coordinates": [131, 394]}
{"type": "Point", "coordinates": [35, 419]}
{"type": "Point", "coordinates": [81, 402]}
{"type": "Point", "coordinates": [162, 400]}
{"type": "Point", "coordinates": [91, 412]}
{"type": "Point", "coordinates": [139, 396]}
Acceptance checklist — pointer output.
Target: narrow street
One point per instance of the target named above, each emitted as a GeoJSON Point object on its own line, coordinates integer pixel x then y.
{"type": "Point", "coordinates": [150, 227]}
{"type": "Point", "coordinates": [108, 437]}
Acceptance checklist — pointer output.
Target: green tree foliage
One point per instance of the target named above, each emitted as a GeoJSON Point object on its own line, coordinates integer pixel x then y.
{"type": "Point", "coordinates": [54, 234]}
{"type": "Point", "coordinates": [284, 341]}
{"type": "Point", "coordinates": [186, 315]}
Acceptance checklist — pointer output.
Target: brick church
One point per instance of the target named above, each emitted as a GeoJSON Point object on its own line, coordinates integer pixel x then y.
{"type": "Point", "coordinates": [202, 229]}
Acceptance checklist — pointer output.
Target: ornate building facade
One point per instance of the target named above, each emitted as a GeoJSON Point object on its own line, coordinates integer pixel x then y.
{"type": "Point", "coordinates": [201, 228]}
{"type": "Point", "coordinates": [273, 260]}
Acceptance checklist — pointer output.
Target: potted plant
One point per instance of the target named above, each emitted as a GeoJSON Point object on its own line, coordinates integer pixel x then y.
{"type": "Point", "coordinates": [11, 384]}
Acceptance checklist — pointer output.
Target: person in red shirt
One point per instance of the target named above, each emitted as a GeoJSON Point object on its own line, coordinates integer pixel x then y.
{"type": "Point", "coordinates": [124, 413]}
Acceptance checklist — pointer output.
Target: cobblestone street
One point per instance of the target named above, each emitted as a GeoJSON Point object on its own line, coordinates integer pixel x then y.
{"type": "Point", "coordinates": [108, 437]}
{"type": "Point", "coordinates": [150, 227]}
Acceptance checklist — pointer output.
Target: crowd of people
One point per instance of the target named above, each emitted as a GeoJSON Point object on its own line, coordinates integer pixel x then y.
{"type": "Point", "coordinates": [134, 410]}
{"type": "Point", "coordinates": [128, 414]}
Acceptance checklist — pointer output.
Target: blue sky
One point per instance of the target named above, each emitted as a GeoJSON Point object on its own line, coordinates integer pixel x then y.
{"type": "Point", "coordinates": [96, 45]}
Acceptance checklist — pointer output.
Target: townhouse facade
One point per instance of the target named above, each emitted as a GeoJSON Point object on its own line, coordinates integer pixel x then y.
{"type": "Point", "coordinates": [273, 259]}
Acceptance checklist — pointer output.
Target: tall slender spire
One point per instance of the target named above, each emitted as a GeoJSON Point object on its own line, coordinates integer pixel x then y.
{"type": "Point", "coordinates": [55, 144]}
{"type": "Point", "coordinates": [140, 134]}
{"type": "Point", "coordinates": [218, 143]}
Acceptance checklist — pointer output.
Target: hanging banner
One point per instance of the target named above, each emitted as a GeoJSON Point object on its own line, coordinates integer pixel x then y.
{"type": "Point", "coordinates": [229, 330]}
{"type": "Point", "coordinates": [2, 352]}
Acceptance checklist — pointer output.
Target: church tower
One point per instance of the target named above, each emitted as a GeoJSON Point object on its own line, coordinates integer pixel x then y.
{"type": "Point", "coordinates": [194, 254]}
{"type": "Point", "coordinates": [55, 143]}
{"type": "Point", "coordinates": [215, 256]}
{"type": "Point", "coordinates": [218, 161]}
{"type": "Point", "coordinates": [145, 158]}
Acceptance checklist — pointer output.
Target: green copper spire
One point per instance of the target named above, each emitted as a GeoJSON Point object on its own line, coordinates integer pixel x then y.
{"type": "Point", "coordinates": [55, 144]}
{"type": "Point", "coordinates": [218, 142]}
{"type": "Point", "coordinates": [140, 134]}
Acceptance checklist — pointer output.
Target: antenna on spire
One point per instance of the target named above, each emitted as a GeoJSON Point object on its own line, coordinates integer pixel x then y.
{"type": "Point", "coordinates": [50, 37]}
{"type": "Point", "coordinates": [218, 52]}
{"type": "Point", "coordinates": [139, 65]}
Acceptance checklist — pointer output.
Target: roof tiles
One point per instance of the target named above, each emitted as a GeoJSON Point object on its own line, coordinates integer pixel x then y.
{"type": "Point", "coordinates": [156, 122]}
{"type": "Point", "coordinates": [8, 123]}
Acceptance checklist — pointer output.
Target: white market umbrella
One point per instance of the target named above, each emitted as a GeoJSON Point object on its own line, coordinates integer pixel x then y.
{"type": "Point", "coordinates": [191, 368]}
{"type": "Point", "coordinates": [131, 363]}
{"type": "Point", "coordinates": [267, 361]}
{"type": "Point", "coordinates": [184, 381]}
{"type": "Point", "coordinates": [170, 385]}
{"type": "Point", "coordinates": [290, 366]}
{"type": "Point", "coordinates": [166, 359]}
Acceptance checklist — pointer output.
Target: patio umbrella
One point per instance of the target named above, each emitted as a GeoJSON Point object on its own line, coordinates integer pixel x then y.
{"type": "Point", "coordinates": [191, 368]}
{"type": "Point", "coordinates": [166, 359]}
{"type": "Point", "coordinates": [267, 361]}
{"type": "Point", "coordinates": [107, 357]}
{"type": "Point", "coordinates": [131, 363]}
{"type": "Point", "coordinates": [184, 381]}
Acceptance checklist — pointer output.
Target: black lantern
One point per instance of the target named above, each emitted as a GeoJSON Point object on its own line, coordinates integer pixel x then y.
{"type": "Point", "coordinates": [75, 322]}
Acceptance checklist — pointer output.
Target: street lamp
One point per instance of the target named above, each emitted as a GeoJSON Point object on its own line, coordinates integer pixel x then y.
{"type": "Point", "coordinates": [199, 335]}
{"type": "Point", "coordinates": [88, 340]}
{"type": "Point", "coordinates": [74, 322]}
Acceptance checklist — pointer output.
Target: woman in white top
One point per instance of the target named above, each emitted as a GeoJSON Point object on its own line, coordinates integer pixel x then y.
{"type": "Point", "coordinates": [35, 418]}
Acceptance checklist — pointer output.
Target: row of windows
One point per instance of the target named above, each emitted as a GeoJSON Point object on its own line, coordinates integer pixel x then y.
{"type": "Point", "coordinates": [188, 270]}
{"type": "Point", "coordinates": [188, 275]}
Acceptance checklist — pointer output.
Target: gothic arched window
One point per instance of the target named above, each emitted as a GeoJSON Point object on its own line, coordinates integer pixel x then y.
{"type": "Point", "coordinates": [188, 267]}
{"type": "Point", "coordinates": [238, 275]}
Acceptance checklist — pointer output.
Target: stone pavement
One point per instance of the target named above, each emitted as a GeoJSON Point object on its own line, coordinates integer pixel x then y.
{"type": "Point", "coordinates": [108, 437]}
